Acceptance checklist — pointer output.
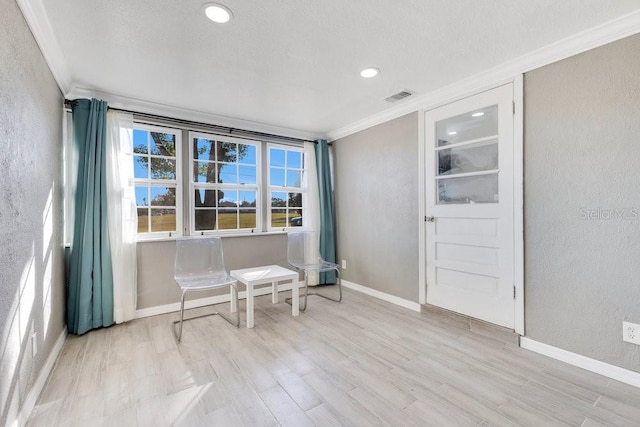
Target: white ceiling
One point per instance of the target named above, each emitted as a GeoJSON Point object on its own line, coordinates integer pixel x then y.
{"type": "Point", "coordinates": [296, 63]}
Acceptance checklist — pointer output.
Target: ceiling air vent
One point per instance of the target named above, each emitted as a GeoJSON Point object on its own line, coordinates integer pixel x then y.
{"type": "Point", "coordinates": [398, 96]}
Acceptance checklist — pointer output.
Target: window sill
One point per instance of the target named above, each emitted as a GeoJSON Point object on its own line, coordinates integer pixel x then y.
{"type": "Point", "coordinates": [232, 235]}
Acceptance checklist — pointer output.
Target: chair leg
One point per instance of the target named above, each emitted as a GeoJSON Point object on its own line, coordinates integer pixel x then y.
{"type": "Point", "coordinates": [339, 282]}
{"type": "Point", "coordinates": [303, 307]}
{"type": "Point", "coordinates": [179, 334]}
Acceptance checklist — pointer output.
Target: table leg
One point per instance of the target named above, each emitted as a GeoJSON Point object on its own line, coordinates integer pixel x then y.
{"type": "Point", "coordinates": [274, 292]}
{"type": "Point", "coordinates": [249, 306]}
{"type": "Point", "coordinates": [295, 298]}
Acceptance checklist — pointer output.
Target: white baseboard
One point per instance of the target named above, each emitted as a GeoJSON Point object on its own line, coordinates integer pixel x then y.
{"type": "Point", "coordinates": [614, 372]}
{"type": "Point", "coordinates": [383, 296]}
{"type": "Point", "coordinates": [36, 389]}
{"type": "Point", "coordinates": [201, 302]}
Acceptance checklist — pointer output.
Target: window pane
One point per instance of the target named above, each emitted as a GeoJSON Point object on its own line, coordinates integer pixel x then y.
{"type": "Point", "coordinates": [163, 196]}
{"type": "Point", "coordinates": [227, 152]}
{"type": "Point", "coordinates": [469, 158]}
{"type": "Point", "coordinates": [229, 198]}
{"type": "Point", "coordinates": [294, 178]}
{"type": "Point", "coordinates": [295, 200]}
{"type": "Point", "coordinates": [227, 219]}
{"type": "Point", "coordinates": [143, 220]}
{"type": "Point", "coordinates": [228, 173]}
{"type": "Point", "coordinates": [248, 174]}
{"type": "Point", "coordinates": [279, 218]}
{"type": "Point", "coordinates": [205, 219]}
{"type": "Point", "coordinates": [295, 218]}
{"type": "Point", "coordinates": [142, 196]}
{"type": "Point", "coordinates": [465, 127]}
{"type": "Point", "coordinates": [206, 198]}
{"type": "Point", "coordinates": [163, 220]}
{"type": "Point", "coordinates": [247, 218]}
{"type": "Point", "coordinates": [140, 141]}
{"type": "Point", "coordinates": [163, 144]}
{"type": "Point", "coordinates": [247, 154]}
{"type": "Point", "coordinates": [140, 167]}
{"type": "Point", "coordinates": [247, 199]}
{"type": "Point", "coordinates": [276, 157]}
{"type": "Point", "coordinates": [204, 149]}
{"type": "Point", "coordinates": [294, 159]}
{"type": "Point", "coordinates": [163, 168]}
{"type": "Point", "coordinates": [204, 172]}
{"type": "Point", "coordinates": [278, 199]}
{"type": "Point", "coordinates": [276, 177]}
{"type": "Point", "coordinates": [471, 189]}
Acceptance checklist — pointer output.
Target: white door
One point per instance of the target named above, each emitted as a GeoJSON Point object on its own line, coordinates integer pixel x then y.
{"type": "Point", "coordinates": [470, 206]}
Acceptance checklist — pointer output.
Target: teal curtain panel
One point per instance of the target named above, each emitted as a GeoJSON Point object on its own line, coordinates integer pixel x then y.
{"type": "Point", "coordinates": [90, 286]}
{"type": "Point", "coordinates": [327, 218]}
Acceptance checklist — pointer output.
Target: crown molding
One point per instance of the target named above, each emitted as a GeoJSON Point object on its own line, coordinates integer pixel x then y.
{"type": "Point", "coordinates": [141, 106]}
{"type": "Point", "coordinates": [600, 35]}
{"type": "Point", "coordinates": [35, 15]}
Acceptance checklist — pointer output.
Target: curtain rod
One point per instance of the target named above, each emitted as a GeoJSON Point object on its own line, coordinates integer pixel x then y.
{"type": "Point", "coordinates": [230, 130]}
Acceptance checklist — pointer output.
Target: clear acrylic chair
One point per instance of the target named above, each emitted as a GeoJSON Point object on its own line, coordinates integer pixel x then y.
{"type": "Point", "coordinates": [199, 266]}
{"type": "Point", "coordinates": [303, 254]}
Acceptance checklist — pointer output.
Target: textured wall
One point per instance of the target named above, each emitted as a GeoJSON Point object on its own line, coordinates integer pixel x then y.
{"type": "Point", "coordinates": [582, 163]}
{"type": "Point", "coordinates": [155, 265]}
{"type": "Point", "coordinates": [31, 273]}
{"type": "Point", "coordinates": [376, 180]}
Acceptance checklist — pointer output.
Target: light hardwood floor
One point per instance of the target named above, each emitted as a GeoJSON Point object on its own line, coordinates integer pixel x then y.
{"type": "Point", "coordinates": [360, 362]}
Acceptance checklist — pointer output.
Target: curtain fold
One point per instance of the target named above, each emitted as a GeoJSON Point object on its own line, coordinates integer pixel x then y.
{"type": "Point", "coordinates": [327, 219]}
{"type": "Point", "coordinates": [122, 216]}
{"type": "Point", "coordinates": [90, 288]}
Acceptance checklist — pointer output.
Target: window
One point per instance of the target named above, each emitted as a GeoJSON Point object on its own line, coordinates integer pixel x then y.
{"type": "Point", "coordinates": [222, 190]}
{"type": "Point", "coordinates": [286, 189]}
{"type": "Point", "coordinates": [156, 162]}
{"type": "Point", "coordinates": [224, 184]}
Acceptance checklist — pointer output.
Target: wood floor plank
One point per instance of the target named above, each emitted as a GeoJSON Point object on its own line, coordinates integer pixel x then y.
{"type": "Point", "coordinates": [285, 409]}
{"type": "Point", "coordinates": [362, 362]}
{"type": "Point", "coordinates": [324, 415]}
{"type": "Point", "coordinates": [304, 395]}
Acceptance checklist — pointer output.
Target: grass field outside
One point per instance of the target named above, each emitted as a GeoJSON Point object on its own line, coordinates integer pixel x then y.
{"type": "Point", "coordinates": [161, 223]}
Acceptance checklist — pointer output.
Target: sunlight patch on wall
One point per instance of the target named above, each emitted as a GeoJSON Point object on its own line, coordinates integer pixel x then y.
{"type": "Point", "coordinates": [47, 260]}
{"type": "Point", "coordinates": [27, 294]}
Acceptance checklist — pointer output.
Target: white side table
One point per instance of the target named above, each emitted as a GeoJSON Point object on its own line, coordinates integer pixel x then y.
{"type": "Point", "coordinates": [273, 274]}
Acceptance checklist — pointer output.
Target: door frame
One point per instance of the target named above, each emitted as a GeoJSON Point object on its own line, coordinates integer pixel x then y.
{"type": "Point", "coordinates": [518, 196]}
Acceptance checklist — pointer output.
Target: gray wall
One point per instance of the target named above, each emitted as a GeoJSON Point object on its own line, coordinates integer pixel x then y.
{"type": "Point", "coordinates": [582, 151]}
{"type": "Point", "coordinates": [155, 265]}
{"type": "Point", "coordinates": [31, 269]}
{"type": "Point", "coordinates": [376, 180]}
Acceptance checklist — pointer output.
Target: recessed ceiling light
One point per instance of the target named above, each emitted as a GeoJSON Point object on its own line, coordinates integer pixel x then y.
{"type": "Point", "coordinates": [217, 13]}
{"type": "Point", "coordinates": [452, 133]}
{"type": "Point", "coordinates": [367, 73]}
{"type": "Point", "coordinates": [478, 114]}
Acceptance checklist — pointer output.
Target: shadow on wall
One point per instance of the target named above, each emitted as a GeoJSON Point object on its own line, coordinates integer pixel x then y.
{"type": "Point", "coordinates": [27, 325]}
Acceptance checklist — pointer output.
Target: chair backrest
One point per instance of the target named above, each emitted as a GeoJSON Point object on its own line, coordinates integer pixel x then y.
{"type": "Point", "coordinates": [303, 248]}
{"type": "Point", "coordinates": [199, 256]}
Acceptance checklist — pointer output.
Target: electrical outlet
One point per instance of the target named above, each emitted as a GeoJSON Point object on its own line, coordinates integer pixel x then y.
{"type": "Point", "coordinates": [631, 332]}
{"type": "Point", "coordinates": [344, 264]}
{"type": "Point", "coordinates": [34, 344]}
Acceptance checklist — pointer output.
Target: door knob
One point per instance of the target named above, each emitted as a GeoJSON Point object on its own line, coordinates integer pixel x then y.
{"type": "Point", "coordinates": [430, 219]}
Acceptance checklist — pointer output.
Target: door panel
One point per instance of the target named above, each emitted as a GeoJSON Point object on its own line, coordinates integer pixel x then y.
{"type": "Point", "coordinates": [469, 194]}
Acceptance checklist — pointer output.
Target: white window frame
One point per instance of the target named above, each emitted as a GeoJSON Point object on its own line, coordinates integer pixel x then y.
{"type": "Point", "coordinates": [302, 189]}
{"type": "Point", "coordinates": [217, 186]}
{"type": "Point", "coordinates": [177, 183]}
